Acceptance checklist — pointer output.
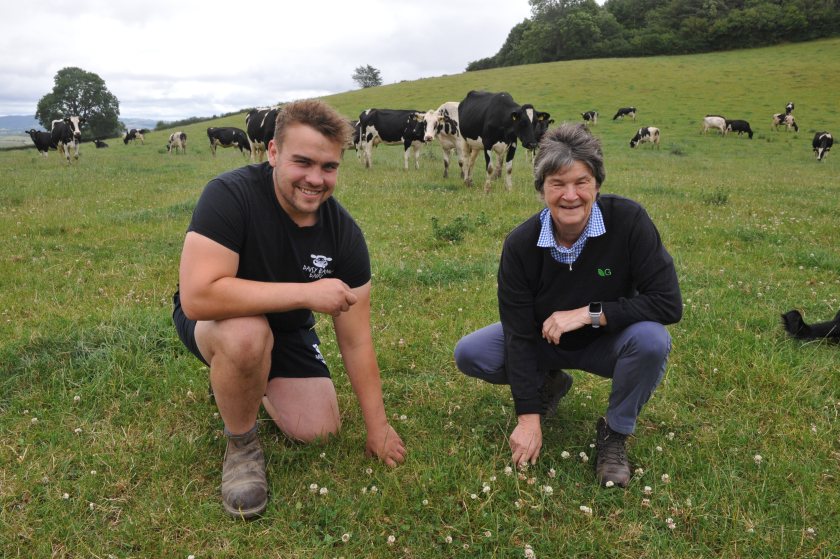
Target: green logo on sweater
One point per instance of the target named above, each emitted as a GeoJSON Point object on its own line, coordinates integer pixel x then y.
{"type": "Point", "coordinates": [604, 272]}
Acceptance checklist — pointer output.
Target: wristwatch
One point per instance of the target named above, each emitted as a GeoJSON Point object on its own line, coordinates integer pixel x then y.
{"type": "Point", "coordinates": [595, 314]}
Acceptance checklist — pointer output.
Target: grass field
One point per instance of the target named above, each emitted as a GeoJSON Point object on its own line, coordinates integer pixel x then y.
{"type": "Point", "coordinates": [110, 447]}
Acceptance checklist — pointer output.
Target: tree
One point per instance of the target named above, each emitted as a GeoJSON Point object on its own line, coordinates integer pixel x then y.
{"type": "Point", "coordinates": [367, 76]}
{"type": "Point", "coordinates": [80, 93]}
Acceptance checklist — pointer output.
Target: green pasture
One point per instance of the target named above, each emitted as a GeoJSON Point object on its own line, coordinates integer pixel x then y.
{"type": "Point", "coordinates": [109, 446]}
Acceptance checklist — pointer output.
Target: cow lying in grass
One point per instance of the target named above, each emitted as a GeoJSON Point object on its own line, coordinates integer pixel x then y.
{"type": "Point", "coordinates": [796, 327]}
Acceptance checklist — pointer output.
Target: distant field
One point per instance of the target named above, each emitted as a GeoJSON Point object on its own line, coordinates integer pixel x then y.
{"type": "Point", "coordinates": [745, 423]}
{"type": "Point", "coordinates": [10, 140]}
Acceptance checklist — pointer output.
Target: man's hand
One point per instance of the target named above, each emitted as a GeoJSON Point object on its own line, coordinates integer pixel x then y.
{"type": "Point", "coordinates": [386, 445]}
{"type": "Point", "coordinates": [526, 440]}
{"type": "Point", "coordinates": [330, 296]}
{"type": "Point", "coordinates": [561, 322]}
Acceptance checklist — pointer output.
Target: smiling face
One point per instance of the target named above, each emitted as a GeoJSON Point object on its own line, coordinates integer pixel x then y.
{"type": "Point", "coordinates": [569, 194]}
{"type": "Point", "coordinates": [305, 171]}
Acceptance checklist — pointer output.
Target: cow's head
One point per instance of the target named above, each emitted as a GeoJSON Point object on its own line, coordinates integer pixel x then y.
{"type": "Point", "coordinates": [523, 119]}
{"type": "Point", "coordinates": [541, 123]}
{"type": "Point", "coordinates": [75, 123]}
{"type": "Point", "coordinates": [430, 121]}
{"type": "Point", "coordinates": [32, 133]}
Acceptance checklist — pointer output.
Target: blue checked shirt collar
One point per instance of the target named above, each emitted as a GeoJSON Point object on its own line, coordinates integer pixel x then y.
{"type": "Point", "coordinates": [594, 228]}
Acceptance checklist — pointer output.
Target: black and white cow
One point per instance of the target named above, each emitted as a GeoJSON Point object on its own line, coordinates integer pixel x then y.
{"type": "Point", "coordinates": [443, 125]}
{"type": "Point", "coordinates": [714, 121]}
{"type": "Point", "coordinates": [100, 144]}
{"type": "Point", "coordinates": [541, 124]}
{"type": "Point", "coordinates": [177, 140]}
{"type": "Point", "coordinates": [133, 135]}
{"type": "Point", "coordinates": [260, 124]}
{"type": "Point", "coordinates": [355, 140]}
{"type": "Point", "coordinates": [590, 117]}
{"type": "Point", "coordinates": [625, 111]}
{"type": "Point", "coordinates": [228, 137]}
{"type": "Point", "coordinates": [822, 144]}
{"type": "Point", "coordinates": [42, 140]}
{"type": "Point", "coordinates": [392, 127]}
{"type": "Point", "coordinates": [739, 126]}
{"type": "Point", "coordinates": [67, 132]}
{"type": "Point", "coordinates": [789, 107]}
{"type": "Point", "coordinates": [646, 134]}
{"type": "Point", "coordinates": [491, 123]}
{"type": "Point", "coordinates": [784, 120]}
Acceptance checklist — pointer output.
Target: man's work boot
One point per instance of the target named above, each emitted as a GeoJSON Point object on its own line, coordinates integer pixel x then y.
{"type": "Point", "coordinates": [557, 384]}
{"type": "Point", "coordinates": [611, 464]}
{"type": "Point", "coordinates": [244, 487]}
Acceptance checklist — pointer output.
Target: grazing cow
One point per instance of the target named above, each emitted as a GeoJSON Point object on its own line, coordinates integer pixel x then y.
{"type": "Point", "coordinates": [133, 135]}
{"type": "Point", "coordinates": [590, 117]}
{"type": "Point", "coordinates": [67, 132]}
{"type": "Point", "coordinates": [443, 125]}
{"type": "Point", "coordinates": [646, 134]}
{"type": "Point", "coordinates": [822, 144]}
{"type": "Point", "coordinates": [177, 140]}
{"type": "Point", "coordinates": [100, 144]}
{"type": "Point", "coordinates": [625, 111]}
{"type": "Point", "coordinates": [42, 140]}
{"type": "Point", "coordinates": [492, 122]}
{"type": "Point", "coordinates": [354, 140]}
{"type": "Point", "coordinates": [260, 125]}
{"type": "Point", "coordinates": [714, 121]}
{"type": "Point", "coordinates": [392, 127]}
{"type": "Point", "coordinates": [228, 137]}
{"type": "Point", "coordinates": [789, 107]}
{"type": "Point", "coordinates": [784, 120]}
{"type": "Point", "coordinates": [739, 126]}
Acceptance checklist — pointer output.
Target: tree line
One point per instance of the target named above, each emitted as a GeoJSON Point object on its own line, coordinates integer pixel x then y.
{"type": "Point", "coordinates": [575, 29]}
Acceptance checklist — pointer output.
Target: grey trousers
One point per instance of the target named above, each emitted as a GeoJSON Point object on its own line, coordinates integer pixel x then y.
{"type": "Point", "coordinates": [634, 358]}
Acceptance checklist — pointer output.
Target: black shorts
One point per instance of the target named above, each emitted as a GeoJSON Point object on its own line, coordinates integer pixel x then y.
{"type": "Point", "coordinates": [295, 354]}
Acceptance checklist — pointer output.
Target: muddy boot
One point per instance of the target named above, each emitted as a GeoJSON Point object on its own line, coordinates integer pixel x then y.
{"type": "Point", "coordinates": [244, 487]}
{"type": "Point", "coordinates": [611, 464]}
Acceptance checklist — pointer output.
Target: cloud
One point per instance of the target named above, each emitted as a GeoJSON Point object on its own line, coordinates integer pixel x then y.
{"type": "Point", "coordinates": [168, 60]}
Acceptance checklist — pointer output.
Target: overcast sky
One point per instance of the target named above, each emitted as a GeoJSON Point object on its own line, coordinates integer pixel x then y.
{"type": "Point", "coordinates": [171, 59]}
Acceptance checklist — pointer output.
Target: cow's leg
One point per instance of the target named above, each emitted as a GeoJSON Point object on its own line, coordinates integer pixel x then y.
{"type": "Point", "coordinates": [489, 167]}
{"type": "Point", "coordinates": [446, 152]}
{"type": "Point", "coordinates": [416, 148]}
{"type": "Point", "coordinates": [511, 152]}
{"type": "Point", "coordinates": [405, 156]}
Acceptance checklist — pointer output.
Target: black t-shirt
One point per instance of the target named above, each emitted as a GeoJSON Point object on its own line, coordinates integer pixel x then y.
{"type": "Point", "coordinates": [239, 210]}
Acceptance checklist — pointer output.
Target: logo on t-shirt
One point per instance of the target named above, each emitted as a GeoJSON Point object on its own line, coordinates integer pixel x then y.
{"type": "Point", "coordinates": [319, 266]}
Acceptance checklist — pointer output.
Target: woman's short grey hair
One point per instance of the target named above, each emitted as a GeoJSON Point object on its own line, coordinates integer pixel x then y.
{"type": "Point", "coordinates": [561, 147]}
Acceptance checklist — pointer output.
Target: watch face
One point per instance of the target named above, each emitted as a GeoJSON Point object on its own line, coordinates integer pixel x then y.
{"type": "Point", "coordinates": [595, 307]}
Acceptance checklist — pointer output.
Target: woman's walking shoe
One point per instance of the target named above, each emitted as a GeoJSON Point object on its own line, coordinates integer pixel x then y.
{"type": "Point", "coordinates": [244, 487]}
{"type": "Point", "coordinates": [611, 464]}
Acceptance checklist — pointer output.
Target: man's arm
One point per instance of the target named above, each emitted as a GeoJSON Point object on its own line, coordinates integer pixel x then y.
{"type": "Point", "coordinates": [352, 331]}
{"type": "Point", "coordinates": [210, 289]}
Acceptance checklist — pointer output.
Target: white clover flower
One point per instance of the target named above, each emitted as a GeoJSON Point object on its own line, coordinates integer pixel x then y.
{"type": "Point", "coordinates": [313, 487]}
{"type": "Point", "coordinates": [189, 394]}
{"type": "Point", "coordinates": [517, 503]}
{"type": "Point", "coordinates": [671, 436]}
{"type": "Point", "coordinates": [364, 490]}
{"type": "Point", "coordinates": [345, 537]}
{"type": "Point", "coordinates": [757, 458]}
{"type": "Point", "coordinates": [323, 455]}
{"type": "Point", "coordinates": [508, 470]}
{"type": "Point", "coordinates": [547, 489]}
{"type": "Point", "coordinates": [645, 502]}
{"type": "Point", "coordinates": [77, 430]}
{"type": "Point", "coordinates": [91, 506]}
{"type": "Point", "coordinates": [813, 428]}
{"type": "Point", "coordinates": [564, 455]}
{"type": "Point", "coordinates": [552, 473]}
{"type": "Point", "coordinates": [473, 496]}
{"type": "Point", "coordinates": [425, 502]}
{"type": "Point", "coordinates": [190, 556]}
{"type": "Point", "coordinates": [810, 532]}
{"type": "Point", "coordinates": [466, 545]}
{"type": "Point", "coordinates": [492, 478]}
{"type": "Point", "coordinates": [448, 539]}
{"type": "Point", "coordinates": [639, 472]}
{"type": "Point", "coordinates": [609, 483]}
{"type": "Point", "coordinates": [658, 449]}
{"type": "Point", "coordinates": [648, 490]}
{"type": "Point", "coordinates": [93, 472]}
{"type": "Point", "coordinates": [583, 457]}
{"type": "Point", "coordinates": [403, 417]}
{"type": "Point", "coordinates": [585, 510]}
{"type": "Point", "coordinates": [34, 420]}
{"type": "Point", "coordinates": [391, 540]}
{"type": "Point", "coordinates": [65, 496]}
{"type": "Point", "coordinates": [488, 533]}
{"type": "Point", "coordinates": [373, 489]}
{"type": "Point", "coordinates": [369, 471]}
{"type": "Point", "coordinates": [591, 445]}
{"type": "Point", "coordinates": [216, 415]}
{"type": "Point", "coordinates": [485, 489]}
{"type": "Point", "coordinates": [529, 552]}
{"type": "Point", "coordinates": [670, 522]}
{"type": "Point", "coordinates": [323, 491]}
{"type": "Point", "coordinates": [77, 398]}
{"type": "Point", "coordinates": [666, 478]}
